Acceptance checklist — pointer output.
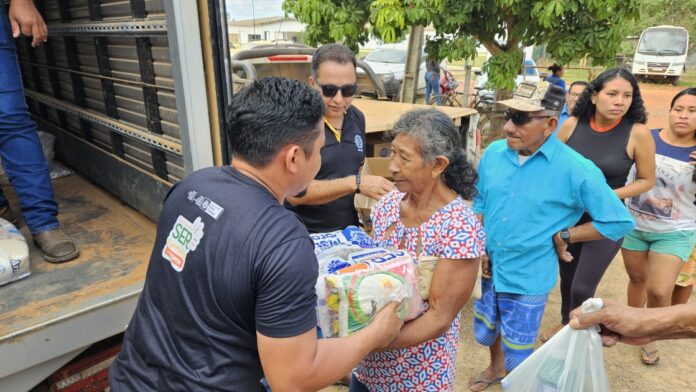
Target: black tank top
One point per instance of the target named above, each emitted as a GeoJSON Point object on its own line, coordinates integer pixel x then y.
{"type": "Point", "coordinates": [607, 149]}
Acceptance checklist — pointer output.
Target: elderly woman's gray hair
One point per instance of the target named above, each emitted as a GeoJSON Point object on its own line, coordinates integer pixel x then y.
{"type": "Point", "coordinates": [436, 135]}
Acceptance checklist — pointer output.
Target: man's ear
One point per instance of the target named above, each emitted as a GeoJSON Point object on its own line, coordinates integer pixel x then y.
{"type": "Point", "coordinates": [292, 156]}
{"type": "Point", "coordinates": [440, 165]}
{"type": "Point", "coordinates": [551, 125]}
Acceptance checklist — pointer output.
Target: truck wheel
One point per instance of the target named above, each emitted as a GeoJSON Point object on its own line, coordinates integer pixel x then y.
{"type": "Point", "coordinates": [675, 80]}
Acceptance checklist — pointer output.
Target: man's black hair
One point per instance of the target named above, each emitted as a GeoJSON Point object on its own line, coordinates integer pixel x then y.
{"type": "Point", "coordinates": [269, 114]}
{"type": "Point", "coordinates": [332, 52]}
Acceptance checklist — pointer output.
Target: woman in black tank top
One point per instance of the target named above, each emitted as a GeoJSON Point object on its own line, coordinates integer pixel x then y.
{"type": "Point", "coordinates": [608, 128]}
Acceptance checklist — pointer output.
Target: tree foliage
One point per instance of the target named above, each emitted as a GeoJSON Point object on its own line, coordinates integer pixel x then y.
{"type": "Point", "coordinates": [666, 12]}
{"type": "Point", "coordinates": [571, 29]}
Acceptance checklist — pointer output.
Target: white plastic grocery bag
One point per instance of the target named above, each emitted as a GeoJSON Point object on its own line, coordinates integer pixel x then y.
{"type": "Point", "coordinates": [571, 361]}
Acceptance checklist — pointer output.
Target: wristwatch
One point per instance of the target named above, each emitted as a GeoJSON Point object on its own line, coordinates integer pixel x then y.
{"type": "Point", "coordinates": [357, 183]}
{"type": "Point", "coordinates": [565, 236]}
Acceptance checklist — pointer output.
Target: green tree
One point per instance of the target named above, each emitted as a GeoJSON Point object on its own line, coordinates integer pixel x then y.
{"type": "Point", "coordinates": [571, 29]}
{"type": "Point", "coordinates": [667, 12]}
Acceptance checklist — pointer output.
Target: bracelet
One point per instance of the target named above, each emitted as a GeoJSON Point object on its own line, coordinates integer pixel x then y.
{"type": "Point", "coordinates": [357, 183]}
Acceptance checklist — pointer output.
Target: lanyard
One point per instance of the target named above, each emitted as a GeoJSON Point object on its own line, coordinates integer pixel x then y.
{"type": "Point", "coordinates": [336, 133]}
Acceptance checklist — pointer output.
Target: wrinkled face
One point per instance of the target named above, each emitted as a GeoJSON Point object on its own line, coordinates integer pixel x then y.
{"type": "Point", "coordinates": [614, 100]}
{"type": "Point", "coordinates": [309, 164]}
{"type": "Point", "coordinates": [409, 171]}
{"type": "Point", "coordinates": [339, 75]}
{"type": "Point", "coordinates": [527, 138]}
{"type": "Point", "coordinates": [572, 96]}
{"type": "Point", "coordinates": [682, 116]}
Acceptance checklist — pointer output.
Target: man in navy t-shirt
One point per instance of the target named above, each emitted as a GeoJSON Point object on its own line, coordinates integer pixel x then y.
{"type": "Point", "coordinates": [229, 294]}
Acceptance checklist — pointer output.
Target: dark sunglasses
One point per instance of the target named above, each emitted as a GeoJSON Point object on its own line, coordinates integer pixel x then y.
{"type": "Point", "coordinates": [330, 90]}
{"type": "Point", "coordinates": [520, 118]}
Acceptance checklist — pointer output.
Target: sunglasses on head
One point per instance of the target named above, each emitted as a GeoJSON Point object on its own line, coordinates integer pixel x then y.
{"type": "Point", "coordinates": [330, 90]}
{"type": "Point", "coordinates": [520, 118]}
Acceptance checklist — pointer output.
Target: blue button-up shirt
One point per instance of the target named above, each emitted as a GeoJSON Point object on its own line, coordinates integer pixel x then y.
{"type": "Point", "coordinates": [523, 206]}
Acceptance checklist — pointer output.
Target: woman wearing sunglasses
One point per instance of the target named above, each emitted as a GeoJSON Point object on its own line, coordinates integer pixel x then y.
{"type": "Point", "coordinates": [607, 127]}
{"type": "Point", "coordinates": [657, 249]}
{"type": "Point", "coordinates": [327, 204]}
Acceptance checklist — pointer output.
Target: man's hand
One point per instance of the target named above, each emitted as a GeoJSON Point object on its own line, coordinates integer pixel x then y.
{"type": "Point", "coordinates": [387, 324]}
{"type": "Point", "coordinates": [485, 266]}
{"type": "Point", "coordinates": [25, 18]}
{"type": "Point", "coordinates": [619, 323]}
{"type": "Point", "coordinates": [561, 248]}
{"type": "Point", "coordinates": [375, 186]}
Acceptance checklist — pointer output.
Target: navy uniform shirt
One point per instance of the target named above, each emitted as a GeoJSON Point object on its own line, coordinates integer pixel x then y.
{"type": "Point", "coordinates": [338, 160]}
{"type": "Point", "coordinates": [228, 261]}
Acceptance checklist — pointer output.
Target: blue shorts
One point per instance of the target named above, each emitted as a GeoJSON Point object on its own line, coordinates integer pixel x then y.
{"type": "Point", "coordinates": [515, 317]}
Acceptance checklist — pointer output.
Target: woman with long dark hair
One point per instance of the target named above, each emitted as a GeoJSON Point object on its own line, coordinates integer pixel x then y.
{"type": "Point", "coordinates": [657, 249]}
{"type": "Point", "coordinates": [607, 127]}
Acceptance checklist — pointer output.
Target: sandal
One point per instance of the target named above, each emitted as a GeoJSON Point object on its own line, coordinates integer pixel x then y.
{"type": "Point", "coordinates": [481, 383]}
{"type": "Point", "coordinates": [646, 356]}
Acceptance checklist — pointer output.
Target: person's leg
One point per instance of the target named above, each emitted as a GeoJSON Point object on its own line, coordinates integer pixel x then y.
{"type": "Point", "coordinates": [566, 273]}
{"type": "Point", "coordinates": [428, 87]}
{"type": "Point", "coordinates": [634, 251]}
{"type": "Point", "coordinates": [662, 271]}
{"type": "Point", "coordinates": [681, 294]}
{"type": "Point", "coordinates": [592, 264]}
{"type": "Point", "coordinates": [487, 333]}
{"type": "Point", "coordinates": [520, 319]}
{"type": "Point", "coordinates": [23, 159]}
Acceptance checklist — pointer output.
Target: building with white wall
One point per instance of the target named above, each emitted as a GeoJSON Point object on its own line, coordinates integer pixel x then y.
{"type": "Point", "coordinates": [272, 28]}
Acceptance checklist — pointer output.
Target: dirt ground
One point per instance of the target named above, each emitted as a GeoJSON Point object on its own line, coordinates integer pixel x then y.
{"type": "Point", "coordinates": [626, 372]}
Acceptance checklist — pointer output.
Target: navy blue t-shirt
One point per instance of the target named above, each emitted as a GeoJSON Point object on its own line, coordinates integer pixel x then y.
{"type": "Point", "coordinates": [339, 159]}
{"type": "Point", "coordinates": [228, 261]}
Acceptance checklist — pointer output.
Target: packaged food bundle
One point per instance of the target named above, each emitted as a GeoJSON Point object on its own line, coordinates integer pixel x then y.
{"type": "Point", "coordinates": [14, 254]}
{"type": "Point", "coordinates": [358, 292]}
{"type": "Point", "coordinates": [350, 236]}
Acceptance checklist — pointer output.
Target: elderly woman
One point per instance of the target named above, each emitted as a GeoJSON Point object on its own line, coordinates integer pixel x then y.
{"type": "Point", "coordinates": [427, 215]}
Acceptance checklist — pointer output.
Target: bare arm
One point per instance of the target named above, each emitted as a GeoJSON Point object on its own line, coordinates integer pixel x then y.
{"type": "Point", "coordinates": [452, 284]}
{"type": "Point", "coordinates": [325, 191]}
{"type": "Point", "coordinates": [25, 18]}
{"type": "Point", "coordinates": [637, 325]}
{"type": "Point", "coordinates": [642, 149]}
{"type": "Point", "coordinates": [567, 129]}
{"type": "Point", "coordinates": [582, 233]}
{"type": "Point", "coordinates": [301, 363]}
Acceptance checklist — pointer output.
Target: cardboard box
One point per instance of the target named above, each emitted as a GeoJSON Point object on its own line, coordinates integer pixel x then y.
{"type": "Point", "coordinates": [363, 204]}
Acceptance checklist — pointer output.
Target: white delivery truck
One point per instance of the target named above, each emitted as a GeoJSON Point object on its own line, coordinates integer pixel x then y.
{"type": "Point", "coordinates": [661, 53]}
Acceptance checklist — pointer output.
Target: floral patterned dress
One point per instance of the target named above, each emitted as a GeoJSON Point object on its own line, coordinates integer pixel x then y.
{"type": "Point", "coordinates": [452, 232]}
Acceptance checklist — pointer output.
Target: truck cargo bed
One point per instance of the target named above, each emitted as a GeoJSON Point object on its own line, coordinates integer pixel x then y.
{"type": "Point", "coordinates": [60, 309]}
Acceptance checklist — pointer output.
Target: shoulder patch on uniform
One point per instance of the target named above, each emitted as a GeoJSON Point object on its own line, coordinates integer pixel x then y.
{"type": "Point", "coordinates": [359, 143]}
{"type": "Point", "coordinates": [183, 238]}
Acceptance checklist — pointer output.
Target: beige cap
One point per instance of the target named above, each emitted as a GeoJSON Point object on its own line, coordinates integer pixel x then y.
{"type": "Point", "coordinates": [530, 97]}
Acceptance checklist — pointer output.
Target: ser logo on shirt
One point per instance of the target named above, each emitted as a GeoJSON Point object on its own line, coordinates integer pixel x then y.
{"type": "Point", "coordinates": [183, 238]}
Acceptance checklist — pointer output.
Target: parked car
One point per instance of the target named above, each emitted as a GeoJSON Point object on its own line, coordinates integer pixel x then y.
{"type": "Point", "coordinates": [389, 63]}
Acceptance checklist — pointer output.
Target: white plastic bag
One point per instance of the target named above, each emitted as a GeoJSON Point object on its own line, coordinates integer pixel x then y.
{"type": "Point", "coordinates": [571, 361]}
{"type": "Point", "coordinates": [14, 254]}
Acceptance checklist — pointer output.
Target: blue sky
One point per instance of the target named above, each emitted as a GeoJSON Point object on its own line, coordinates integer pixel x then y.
{"type": "Point", "coordinates": [242, 9]}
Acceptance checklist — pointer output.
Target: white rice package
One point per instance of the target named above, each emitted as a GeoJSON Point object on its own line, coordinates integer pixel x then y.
{"type": "Point", "coordinates": [14, 254]}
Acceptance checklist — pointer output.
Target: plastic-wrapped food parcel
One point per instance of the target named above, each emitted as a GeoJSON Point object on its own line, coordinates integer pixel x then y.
{"type": "Point", "coordinates": [357, 279]}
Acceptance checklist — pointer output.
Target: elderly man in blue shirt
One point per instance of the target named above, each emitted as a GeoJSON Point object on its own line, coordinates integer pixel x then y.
{"type": "Point", "coordinates": [532, 190]}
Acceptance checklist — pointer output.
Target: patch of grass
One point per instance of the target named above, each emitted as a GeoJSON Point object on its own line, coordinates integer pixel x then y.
{"type": "Point", "coordinates": [688, 79]}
